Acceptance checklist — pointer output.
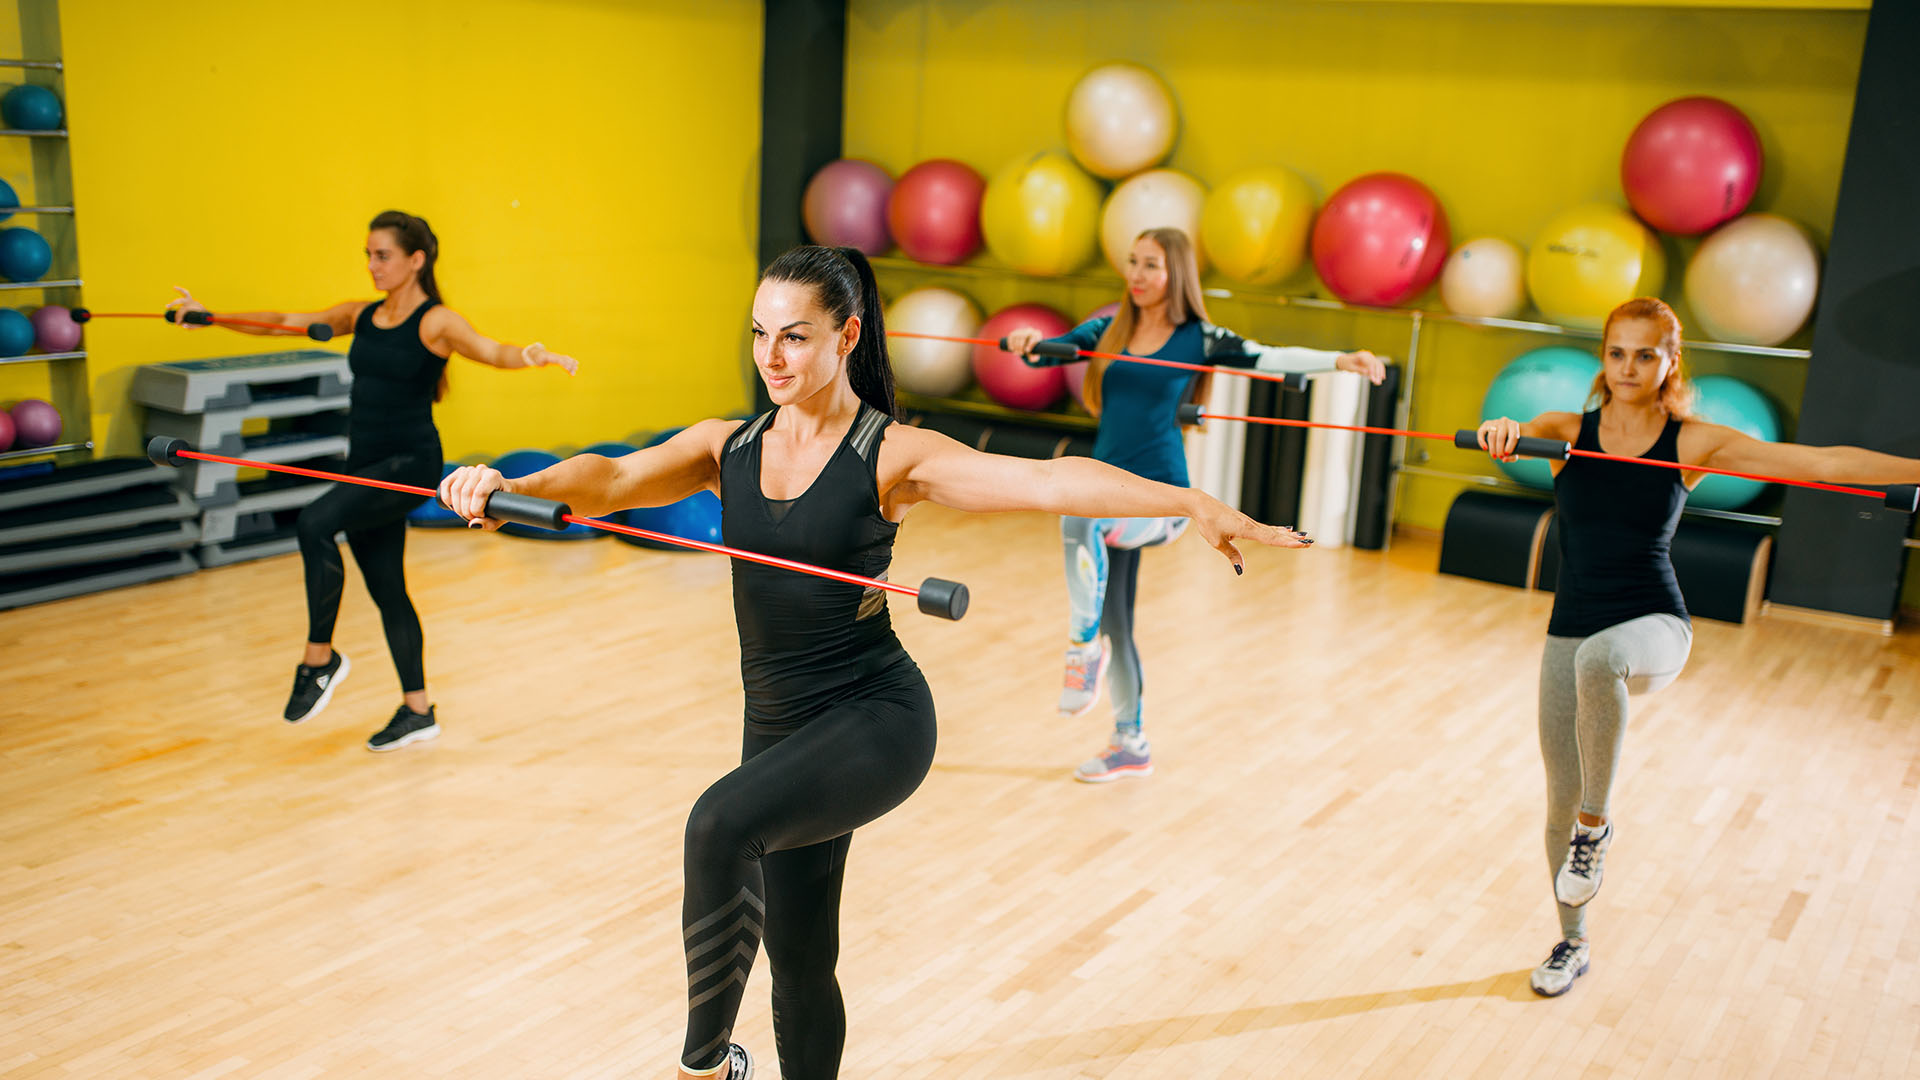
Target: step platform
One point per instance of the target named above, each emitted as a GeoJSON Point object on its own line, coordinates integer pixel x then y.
{"type": "Point", "coordinates": [85, 480]}
{"type": "Point", "coordinates": [96, 514]}
{"type": "Point", "coordinates": [167, 535]}
{"type": "Point", "coordinates": [40, 586]}
{"type": "Point", "coordinates": [297, 381]}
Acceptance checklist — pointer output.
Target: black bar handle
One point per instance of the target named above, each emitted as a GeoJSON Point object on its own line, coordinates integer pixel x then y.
{"type": "Point", "coordinates": [1904, 498]}
{"type": "Point", "coordinates": [1528, 446]}
{"type": "Point", "coordinates": [191, 318]}
{"type": "Point", "coordinates": [320, 331]}
{"type": "Point", "coordinates": [527, 510]}
{"type": "Point", "coordinates": [947, 599]}
{"type": "Point", "coordinates": [162, 450]}
{"type": "Point", "coordinates": [1189, 414]}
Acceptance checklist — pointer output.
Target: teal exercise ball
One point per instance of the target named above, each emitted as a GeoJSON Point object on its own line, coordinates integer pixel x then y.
{"type": "Point", "coordinates": [1558, 378]}
{"type": "Point", "coordinates": [1725, 400]}
{"type": "Point", "coordinates": [31, 108]}
{"type": "Point", "coordinates": [24, 255]}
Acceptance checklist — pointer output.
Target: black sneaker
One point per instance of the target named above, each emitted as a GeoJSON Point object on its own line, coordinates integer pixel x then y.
{"type": "Point", "coordinates": [313, 687]}
{"type": "Point", "coordinates": [406, 727]}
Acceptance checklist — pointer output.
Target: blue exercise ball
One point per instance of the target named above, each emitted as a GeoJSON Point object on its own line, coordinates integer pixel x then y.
{"type": "Point", "coordinates": [16, 332]}
{"type": "Point", "coordinates": [31, 108]}
{"type": "Point", "coordinates": [431, 515]}
{"type": "Point", "coordinates": [24, 255]}
{"type": "Point", "coordinates": [696, 517]}
{"type": "Point", "coordinates": [8, 200]}
{"type": "Point", "coordinates": [612, 450]}
{"type": "Point", "coordinates": [1725, 400]}
{"type": "Point", "coordinates": [521, 463]}
{"type": "Point", "coordinates": [1558, 378]}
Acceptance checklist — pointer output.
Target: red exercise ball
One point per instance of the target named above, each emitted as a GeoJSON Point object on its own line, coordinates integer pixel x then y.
{"type": "Point", "coordinates": [1008, 379]}
{"type": "Point", "coordinates": [6, 431]}
{"type": "Point", "coordinates": [1381, 239]}
{"type": "Point", "coordinates": [1691, 165]}
{"type": "Point", "coordinates": [934, 211]}
{"type": "Point", "coordinates": [846, 206]}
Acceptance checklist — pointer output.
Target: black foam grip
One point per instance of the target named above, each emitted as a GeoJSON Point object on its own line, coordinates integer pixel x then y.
{"type": "Point", "coordinates": [162, 450]}
{"type": "Point", "coordinates": [192, 318]}
{"type": "Point", "coordinates": [1059, 350]}
{"type": "Point", "coordinates": [1904, 498]}
{"type": "Point", "coordinates": [80, 314]}
{"type": "Point", "coordinates": [947, 599]}
{"type": "Point", "coordinates": [527, 510]}
{"type": "Point", "coordinates": [1295, 380]}
{"type": "Point", "coordinates": [320, 331]}
{"type": "Point", "coordinates": [1528, 446]}
{"type": "Point", "coordinates": [1189, 413]}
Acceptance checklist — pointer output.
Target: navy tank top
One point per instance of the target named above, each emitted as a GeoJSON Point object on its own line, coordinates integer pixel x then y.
{"type": "Point", "coordinates": [1616, 534]}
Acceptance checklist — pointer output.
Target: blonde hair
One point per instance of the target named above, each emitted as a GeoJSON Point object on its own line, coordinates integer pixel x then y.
{"type": "Point", "coordinates": [1184, 302]}
{"type": "Point", "coordinates": [1676, 393]}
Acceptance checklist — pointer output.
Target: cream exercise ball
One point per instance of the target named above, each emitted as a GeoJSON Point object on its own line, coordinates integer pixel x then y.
{"type": "Point", "coordinates": [934, 368]}
{"type": "Point", "coordinates": [1163, 198]}
{"type": "Point", "coordinates": [1754, 280]}
{"type": "Point", "coordinates": [1120, 120]}
{"type": "Point", "coordinates": [1487, 277]}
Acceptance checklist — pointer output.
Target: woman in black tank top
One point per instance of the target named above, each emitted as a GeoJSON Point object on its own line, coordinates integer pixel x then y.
{"type": "Point", "coordinates": [1619, 624]}
{"type": "Point", "coordinates": [839, 720]}
{"type": "Point", "coordinates": [398, 358]}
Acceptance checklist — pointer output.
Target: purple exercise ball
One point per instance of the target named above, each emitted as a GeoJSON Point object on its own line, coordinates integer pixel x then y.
{"type": "Point", "coordinates": [36, 423]}
{"type": "Point", "coordinates": [54, 329]}
{"type": "Point", "coordinates": [846, 206]}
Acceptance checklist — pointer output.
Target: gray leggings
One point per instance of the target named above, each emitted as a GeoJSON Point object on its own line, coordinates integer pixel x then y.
{"type": "Point", "coordinates": [1584, 684]}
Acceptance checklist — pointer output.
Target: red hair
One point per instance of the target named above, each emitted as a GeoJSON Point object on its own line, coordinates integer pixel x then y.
{"type": "Point", "coordinates": [1676, 393]}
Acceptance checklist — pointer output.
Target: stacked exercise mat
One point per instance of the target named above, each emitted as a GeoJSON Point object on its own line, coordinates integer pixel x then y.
{"type": "Point", "coordinates": [281, 407]}
{"type": "Point", "coordinates": [101, 525]}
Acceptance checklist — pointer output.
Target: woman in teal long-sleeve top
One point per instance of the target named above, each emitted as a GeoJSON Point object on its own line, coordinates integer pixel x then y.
{"type": "Point", "coordinates": [1162, 316]}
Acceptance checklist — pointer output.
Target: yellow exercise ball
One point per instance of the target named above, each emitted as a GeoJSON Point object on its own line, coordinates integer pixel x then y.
{"type": "Point", "coordinates": [1160, 199]}
{"type": "Point", "coordinates": [1040, 215]}
{"type": "Point", "coordinates": [1754, 280]}
{"type": "Point", "coordinates": [1487, 277]}
{"type": "Point", "coordinates": [1591, 259]}
{"type": "Point", "coordinates": [935, 368]}
{"type": "Point", "coordinates": [1254, 225]}
{"type": "Point", "coordinates": [1120, 120]}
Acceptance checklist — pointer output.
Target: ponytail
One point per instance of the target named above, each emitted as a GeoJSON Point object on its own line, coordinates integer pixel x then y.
{"type": "Point", "coordinates": [842, 282]}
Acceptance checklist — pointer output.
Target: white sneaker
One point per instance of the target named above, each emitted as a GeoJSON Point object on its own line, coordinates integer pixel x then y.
{"type": "Point", "coordinates": [1084, 666]}
{"type": "Point", "coordinates": [1579, 878]}
{"type": "Point", "coordinates": [1556, 973]}
{"type": "Point", "coordinates": [1126, 755]}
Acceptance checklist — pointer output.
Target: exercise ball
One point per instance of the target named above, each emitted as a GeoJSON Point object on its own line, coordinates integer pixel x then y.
{"type": "Point", "coordinates": [846, 206]}
{"type": "Point", "coordinates": [1558, 378]}
{"type": "Point", "coordinates": [1590, 260]}
{"type": "Point", "coordinates": [35, 423]}
{"type": "Point", "coordinates": [1754, 280]}
{"type": "Point", "coordinates": [1381, 239]}
{"type": "Point", "coordinates": [6, 431]}
{"type": "Point", "coordinates": [934, 212]}
{"type": "Point", "coordinates": [1041, 215]}
{"type": "Point", "coordinates": [1161, 199]}
{"type": "Point", "coordinates": [31, 108]}
{"type": "Point", "coordinates": [1690, 165]}
{"type": "Point", "coordinates": [520, 463]}
{"type": "Point", "coordinates": [610, 449]}
{"type": "Point", "coordinates": [934, 368]}
{"type": "Point", "coordinates": [431, 515]}
{"type": "Point", "coordinates": [16, 332]}
{"type": "Point", "coordinates": [1254, 225]}
{"type": "Point", "coordinates": [1486, 277]}
{"type": "Point", "coordinates": [54, 329]}
{"type": "Point", "coordinates": [696, 517]}
{"type": "Point", "coordinates": [8, 200]}
{"type": "Point", "coordinates": [24, 255]}
{"type": "Point", "coordinates": [1076, 372]}
{"type": "Point", "coordinates": [1120, 120]}
{"type": "Point", "coordinates": [1725, 400]}
{"type": "Point", "coordinates": [1010, 380]}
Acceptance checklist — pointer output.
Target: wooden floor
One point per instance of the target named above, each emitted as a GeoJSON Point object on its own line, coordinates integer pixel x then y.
{"type": "Point", "coordinates": [1336, 872]}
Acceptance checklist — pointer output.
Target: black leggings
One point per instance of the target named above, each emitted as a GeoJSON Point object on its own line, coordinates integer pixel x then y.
{"type": "Point", "coordinates": [766, 853]}
{"type": "Point", "coordinates": [375, 522]}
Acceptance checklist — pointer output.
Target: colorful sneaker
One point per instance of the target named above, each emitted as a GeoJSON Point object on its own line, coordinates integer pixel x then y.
{"type": "Point", "coordinates": [1084, 664]}
{"type": "Point", "coordinates": [406, 727]}
{"type": "Point", "coordinates": [1556, 973]}
{"type": "Point", "coordinates": [313, 688]}
{"type": "Point", "coordinates": [1579, 878]}
{"type": "Point", "coordinates": [737, 1065]}
{"type": "Point", "coordinates": [1126, 755]}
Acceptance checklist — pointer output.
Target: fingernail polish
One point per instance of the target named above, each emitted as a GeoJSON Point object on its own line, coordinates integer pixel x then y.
{"type": "Point", "coordinates": [1238, 569]}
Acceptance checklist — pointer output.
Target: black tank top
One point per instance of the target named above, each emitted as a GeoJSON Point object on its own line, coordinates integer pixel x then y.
{"type": "Point", "coordinates": [808, 643]}
{"type": "Point", "coordinates": [394, 378]}
{"type": "Point", "coordinates": [1616, 532]}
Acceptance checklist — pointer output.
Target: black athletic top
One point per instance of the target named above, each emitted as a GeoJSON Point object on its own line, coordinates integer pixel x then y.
{"type": "Point", "coordinates": [808, 643]}
{"type": "Point", "coordinates": [394, 378]}
{"type": "Point", "coordinates": [1616, 531]}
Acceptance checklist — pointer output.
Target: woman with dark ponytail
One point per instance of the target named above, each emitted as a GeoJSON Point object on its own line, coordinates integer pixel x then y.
{"type": "Point", "coordinates": [839, 720]}
{"type": "Point", "coordinates": [399, 359]}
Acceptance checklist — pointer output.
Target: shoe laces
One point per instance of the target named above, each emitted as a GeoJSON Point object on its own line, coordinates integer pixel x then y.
{"type": "Point", "coordinates": [1562, 958]}
{"type": "Point", "coordinates": [1586, 848]}
{"type": "Point", "coordinates": [1082, 668]}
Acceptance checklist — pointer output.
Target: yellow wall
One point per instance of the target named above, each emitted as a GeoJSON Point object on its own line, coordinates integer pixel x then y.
{"type": "Point", "coordinates": [1509, 112]}
{"type": "Point", "coordinates": [589, 165]}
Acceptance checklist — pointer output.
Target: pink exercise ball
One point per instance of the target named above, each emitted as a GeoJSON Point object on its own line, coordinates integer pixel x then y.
{"type": "Point", "coordinates": [846, 206]}
{"type": "Point", "coordinates": [6, 432]}
{"type": "Point", "coordinates": [1008, 379]}
{"type": "Point", "coordinates": [1381, 239]}
{"type": "Point", "coordinates": [36, 423]}
{"type": "Point", "coordinates": [1692, 164]}
{"type": "Point", "coordinates": [934, 211]}
{"type": "Point", "coordinates": [54, 329]}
